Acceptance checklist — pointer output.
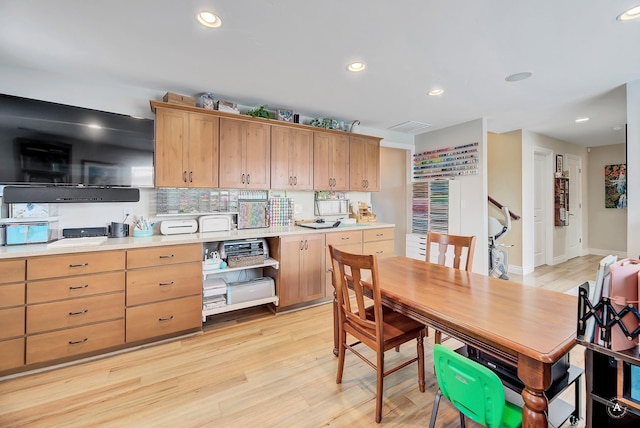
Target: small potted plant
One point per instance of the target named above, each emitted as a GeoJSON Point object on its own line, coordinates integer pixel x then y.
{"type": "Point", "coordinates": [259, 112]}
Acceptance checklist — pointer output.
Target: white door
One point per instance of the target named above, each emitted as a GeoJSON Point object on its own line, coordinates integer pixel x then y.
{"type": "Point", "coordinates": [539, 237]}
{"type": "Point", "coordinates": [574, 230]}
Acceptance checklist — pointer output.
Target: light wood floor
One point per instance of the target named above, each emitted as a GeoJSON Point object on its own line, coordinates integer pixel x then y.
{"type": "Point", "coordinates": [248, 369]}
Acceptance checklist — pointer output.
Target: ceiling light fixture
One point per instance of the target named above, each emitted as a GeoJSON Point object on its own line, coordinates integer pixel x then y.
{"type": "Point", "coordinates": [582, 119]}
{"type": "Point", "coordinates": [630, 14]}
{"type": "Point", "coordinates": [518, 76]}
{"type": "Point", "coordinates": [94, 126]}
{"type": "Point", "coordinates": [209, 19]}
{"type": "Point", "coordinates": [356, 66]}
{"type": "Point", "coordinates": [435, 92]}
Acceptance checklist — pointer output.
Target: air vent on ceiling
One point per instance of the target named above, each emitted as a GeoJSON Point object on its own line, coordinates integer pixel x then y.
{"type": "Point", "coordinates": [410, 127]}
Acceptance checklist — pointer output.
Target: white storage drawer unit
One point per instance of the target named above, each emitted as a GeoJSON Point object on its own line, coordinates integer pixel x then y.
{"type": "Point", "coordinates": [416, 246]}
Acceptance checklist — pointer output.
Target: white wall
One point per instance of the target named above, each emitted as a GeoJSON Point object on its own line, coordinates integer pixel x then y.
{"type": "Point", "coordinates": [633, 169]}
{"type": "Point", "coordinates": [607, 226]}
{"type": "Point", "coordinates": [473, 188]}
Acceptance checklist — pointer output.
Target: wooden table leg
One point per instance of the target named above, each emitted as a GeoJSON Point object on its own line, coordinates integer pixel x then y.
{"type": "Point", "coordinates": [536, 377]}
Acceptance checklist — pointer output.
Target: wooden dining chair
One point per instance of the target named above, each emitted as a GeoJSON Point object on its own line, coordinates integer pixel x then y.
{"type": "Point", "coordinates": [445, 243]}
{"type": "Point", "coordinates": [378, 327]}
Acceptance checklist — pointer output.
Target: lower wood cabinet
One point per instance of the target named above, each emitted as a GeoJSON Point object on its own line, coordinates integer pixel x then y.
{"type": "Point", "coordinates": [74, 312]}
{"type": "Point", "coordinates": [164, 291]}
{"type": "Point", "coordinates": [74, 341]}
{"type": "Point", "coordinates": [380, 242]}
{"type": "Point", "coordinates": [12, 352]}
{"type": "Point", "coordinates": [349, 241]}
{"type": "Point", "coordinates": [164, 318]}
{"type": "Point", "coordinates": [301, 275]}
{"type": "Point", "coordinates": [63, 307]}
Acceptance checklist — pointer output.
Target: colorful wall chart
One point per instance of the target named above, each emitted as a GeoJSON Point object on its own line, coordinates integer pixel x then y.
{"type": "Point", "coordinates": [447, 162]}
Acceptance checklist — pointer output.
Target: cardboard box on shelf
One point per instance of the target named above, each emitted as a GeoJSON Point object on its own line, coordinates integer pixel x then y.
{"type": "Point", "coordinates": [173, 98]}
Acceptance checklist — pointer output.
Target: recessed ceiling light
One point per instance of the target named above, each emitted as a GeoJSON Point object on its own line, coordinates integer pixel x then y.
{"type": "Point", "coordinates": [630, 14]}
{"type": "Point", "coordinates": [582, 119]}
{"type": "Point", "coordinates": [209, 19]}
{"type": "Point", "coordinates": [356, 66]}
{"type": "Point", "coordinates": [436, 92]}
{"type": "Point", "coordinates": [518, 76]}
{"type": "Point", "coordinates": [94, 126]}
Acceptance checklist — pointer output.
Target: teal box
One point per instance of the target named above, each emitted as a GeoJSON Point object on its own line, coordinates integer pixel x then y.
{"type": "Point", "coordinates": [27, 233]}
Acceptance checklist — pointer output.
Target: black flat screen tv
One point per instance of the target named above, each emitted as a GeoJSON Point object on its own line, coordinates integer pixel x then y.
{"type": "Point", "coordinates": [45, 143]}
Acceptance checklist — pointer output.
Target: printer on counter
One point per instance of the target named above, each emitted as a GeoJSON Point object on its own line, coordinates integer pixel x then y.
{"type": "Point", "coordinates": [244, 252]}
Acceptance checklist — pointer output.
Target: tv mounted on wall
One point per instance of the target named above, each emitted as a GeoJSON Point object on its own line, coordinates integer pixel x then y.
{"type": "Point", "coordinates": [55, 145]}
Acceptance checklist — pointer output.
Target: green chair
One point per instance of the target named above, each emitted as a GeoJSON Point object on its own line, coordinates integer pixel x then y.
{"type": "Point", "coordinates": [473, 389]}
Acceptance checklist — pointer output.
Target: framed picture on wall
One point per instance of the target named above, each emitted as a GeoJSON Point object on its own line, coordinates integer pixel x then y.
{"type": "Point", "coordinates": [559, 163]}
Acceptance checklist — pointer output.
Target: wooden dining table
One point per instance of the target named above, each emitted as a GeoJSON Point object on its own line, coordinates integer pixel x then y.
{"type": "Point", "coordinates": [526, 327]}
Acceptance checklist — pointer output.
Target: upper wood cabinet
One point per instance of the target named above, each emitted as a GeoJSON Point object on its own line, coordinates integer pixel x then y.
{"type": "Point", "coordinates": [291, 158]}
{"type": "Point", "coordinates": [364, 163]}
{"type": "Point", "coordinates": [186, 153]}
{"type": "Point", "coordinates": [330, 161]}
{"type": "Point", "coordinates": [245, 154]}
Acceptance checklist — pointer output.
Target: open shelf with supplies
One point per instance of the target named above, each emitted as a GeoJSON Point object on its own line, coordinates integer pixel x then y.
{"type": "Point", "coordinates": [238, 287]}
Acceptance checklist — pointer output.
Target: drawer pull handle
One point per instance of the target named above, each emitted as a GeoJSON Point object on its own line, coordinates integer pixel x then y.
{"type": "Point", "coordinates": [379, 252]}
{"type": "Point", "coordinates": [78, 342]}
{"type": "Point", "coordinates": [169, 318]}
{"type": "Point", "coordinates": [79, 265]}
{"type": "Point", "coordinates": [345, 239]}
{"type": "Point", "coordinates": [379, 234]}
{"type": "Point", "coordinates": [79, 313]}
{"type": "Point", "coordinates": [167, 257]}
{"type": "Point", "coordinates": [165, 284]}
{"type": "Point", "coordinates": [78, 287]}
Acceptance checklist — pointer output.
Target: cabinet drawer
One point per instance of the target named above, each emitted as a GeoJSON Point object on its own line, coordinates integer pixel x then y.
{"type": "Point", "coordinates": [74, 264]}
{"type": "Point", "coordinates": [11, 295]}
{"type": "Point", "coordinates": [76, 286]}
{"type": "Point", "coordinates": [159, 319]}
{"type": "Point", "coordinates": [12, 322]}
{"type": "Point", "coordinates": [163, 283]}
{"type": "Point", "coordinates": [372, 235]}
{"type": "Point", "coordinates": [74, 341]}
{"type": "Point", "coordinates": [12, 352]}
{"type": "Point", "coordinates": [381, 248]}
{"type": "Point", "coordinates": [74, 312]}
{"type": "Point", "coordinates": [12, 270]}
{"type": "Point", "coordinates": [341, 238]}
{"type": "Point", "coordinates": [159, 256]}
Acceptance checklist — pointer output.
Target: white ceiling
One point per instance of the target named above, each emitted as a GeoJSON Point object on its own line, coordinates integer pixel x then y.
{"type": "Point", "coordinates": [293, 54]}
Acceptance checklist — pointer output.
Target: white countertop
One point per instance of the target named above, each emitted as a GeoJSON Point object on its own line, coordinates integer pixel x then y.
{"type": "Point", "coordinates": [56, 247]}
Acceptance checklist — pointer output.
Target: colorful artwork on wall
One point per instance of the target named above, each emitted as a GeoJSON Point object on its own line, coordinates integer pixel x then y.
{"type": "Point", "coordinates": [615, 186]}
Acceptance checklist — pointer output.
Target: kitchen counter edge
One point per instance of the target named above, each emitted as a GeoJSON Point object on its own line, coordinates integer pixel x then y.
{"type": "Point", "coordinates": [32, 250]}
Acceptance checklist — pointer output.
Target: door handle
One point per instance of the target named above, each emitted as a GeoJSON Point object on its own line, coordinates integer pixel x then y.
{"type": "Point", "coordinates": [248, 178]}
{"type": "Point", "coordinates": [242, 178]}
{"type": "Point", "coordinates": [184, 176]}
{"type": "Point", "coordinates": [190, 176]}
